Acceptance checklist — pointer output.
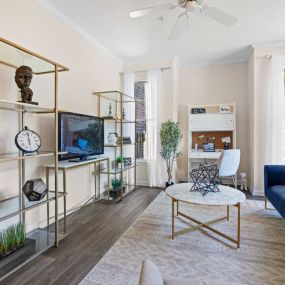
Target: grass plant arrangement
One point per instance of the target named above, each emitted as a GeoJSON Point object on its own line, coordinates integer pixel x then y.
{"type": "Point", "coordinates": [11, 239]}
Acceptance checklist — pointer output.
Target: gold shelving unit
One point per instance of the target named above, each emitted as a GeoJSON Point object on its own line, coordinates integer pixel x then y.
{"type": "Point", "coordinates": [120, 100]}
{"type": "Point", "coordinates": [13, 56]}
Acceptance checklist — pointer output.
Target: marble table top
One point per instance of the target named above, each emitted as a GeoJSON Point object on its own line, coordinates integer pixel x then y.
{"type": "Point", "coordinates": [226, 197]}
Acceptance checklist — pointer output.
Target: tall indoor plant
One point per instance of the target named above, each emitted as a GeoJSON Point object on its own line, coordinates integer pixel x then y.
{"type": "Point", "coordinates": [170, 137]}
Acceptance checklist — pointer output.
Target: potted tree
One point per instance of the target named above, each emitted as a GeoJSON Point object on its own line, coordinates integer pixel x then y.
{"type": "Point", "coordinates": [170, 137]}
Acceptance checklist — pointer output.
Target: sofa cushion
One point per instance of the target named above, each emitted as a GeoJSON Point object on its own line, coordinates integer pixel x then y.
{"type": "Point", "coordinates": [276, 196]}
{"type": "Point", "coordinates": [150, 274]}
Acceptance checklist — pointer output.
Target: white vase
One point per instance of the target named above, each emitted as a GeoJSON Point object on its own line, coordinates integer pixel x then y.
{"type": "Point", "coordinates": [112, 139]}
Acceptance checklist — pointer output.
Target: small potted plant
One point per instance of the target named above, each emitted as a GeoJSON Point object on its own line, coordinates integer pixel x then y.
{"type": "Point", "coordinates": [120, 161]}
{"type": "Point", "coordinates": [170, 137]}
{"type": "Point", "coordinates": [116, 184]}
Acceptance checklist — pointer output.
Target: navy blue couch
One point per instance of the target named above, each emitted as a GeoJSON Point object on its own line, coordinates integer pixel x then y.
{"type": "Point", "coordinates": [274, 186]}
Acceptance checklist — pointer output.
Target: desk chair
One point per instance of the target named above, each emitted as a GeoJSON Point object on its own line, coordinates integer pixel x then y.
{"type": "Point", "coordinates": [229, 165]}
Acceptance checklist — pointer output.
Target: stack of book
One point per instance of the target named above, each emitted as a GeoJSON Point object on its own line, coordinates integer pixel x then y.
{"type": "Point", "coordinates": [126, 140]}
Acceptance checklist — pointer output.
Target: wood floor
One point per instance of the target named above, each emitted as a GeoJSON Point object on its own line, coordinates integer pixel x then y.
{"type": "Point", "coordinates": [91, 232]}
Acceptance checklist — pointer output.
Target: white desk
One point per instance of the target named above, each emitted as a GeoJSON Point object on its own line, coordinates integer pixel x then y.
{"type": "Point", "coordinates": [195, 158]}
{"type": "Point", "coordinates": [205, 155]}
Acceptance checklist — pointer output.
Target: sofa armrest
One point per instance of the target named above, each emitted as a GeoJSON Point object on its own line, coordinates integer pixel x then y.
{"type": "Point", "coordinates": [273, 175]}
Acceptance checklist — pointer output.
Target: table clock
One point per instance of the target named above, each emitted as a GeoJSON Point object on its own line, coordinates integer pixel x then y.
{"type": "Point", "coordinates": [28, 141]}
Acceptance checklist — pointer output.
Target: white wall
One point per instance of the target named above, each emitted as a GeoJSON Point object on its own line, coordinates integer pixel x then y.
{"type": "Point", "coordinates": [33, 26]}
{"type": "Point", "coordinates": [214, 85]}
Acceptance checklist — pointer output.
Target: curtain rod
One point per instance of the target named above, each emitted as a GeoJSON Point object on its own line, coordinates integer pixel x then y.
{"type": "Point", "coordinates": [267, 56]}
{"type": "Point", "coordinates": [141, 71]}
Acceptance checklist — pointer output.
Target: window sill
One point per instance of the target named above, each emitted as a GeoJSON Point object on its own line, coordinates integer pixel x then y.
{"type": "Point", "coordinates": [141, 161]}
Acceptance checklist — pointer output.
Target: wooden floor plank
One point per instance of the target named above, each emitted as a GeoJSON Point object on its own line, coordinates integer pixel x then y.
{"type": "Point", "coordinates": [92, 231]}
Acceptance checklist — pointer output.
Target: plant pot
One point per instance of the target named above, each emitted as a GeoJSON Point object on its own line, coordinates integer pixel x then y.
{"type": "Point", "coordinates": [167, 184]}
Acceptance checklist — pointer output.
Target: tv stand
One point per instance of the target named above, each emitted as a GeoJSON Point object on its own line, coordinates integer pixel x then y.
{"type": "Point", "coordinates": [85, 158]}
{"type": "Point", "coordinates": [65, 165]}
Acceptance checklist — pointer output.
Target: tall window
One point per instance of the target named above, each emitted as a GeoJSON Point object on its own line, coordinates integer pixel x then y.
{"type": "Point", "coordinates": [141, 148]}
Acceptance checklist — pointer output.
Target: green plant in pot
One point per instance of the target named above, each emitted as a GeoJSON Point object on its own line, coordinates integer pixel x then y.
{"type": "Point", "coordinates": [120, 161]}
{"type": "Point", "coordinates": [12, 239]}
{"type": "Point", "coordinates": [116, 184]}
{"type": "Point", "coordinates": [170, 137]}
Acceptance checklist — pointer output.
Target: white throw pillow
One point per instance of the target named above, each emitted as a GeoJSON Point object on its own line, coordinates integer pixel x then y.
{"type": "Point", "coordinates": [150, 275]}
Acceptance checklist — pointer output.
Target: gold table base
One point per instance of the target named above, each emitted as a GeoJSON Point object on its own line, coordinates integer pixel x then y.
{"type": "Point", "coordinates": [205, 224]}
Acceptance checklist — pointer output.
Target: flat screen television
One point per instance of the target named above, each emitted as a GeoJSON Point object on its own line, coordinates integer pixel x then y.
{"type": "Point", "coordinates": [81, 136]}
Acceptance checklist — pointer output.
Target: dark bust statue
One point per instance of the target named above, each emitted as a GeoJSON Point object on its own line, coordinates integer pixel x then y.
{"type": "Point", "coordinates": [23, 78]}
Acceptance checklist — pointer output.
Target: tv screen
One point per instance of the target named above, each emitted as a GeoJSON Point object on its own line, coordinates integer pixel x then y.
{"type": "Point", "coordinates": [80, 135]}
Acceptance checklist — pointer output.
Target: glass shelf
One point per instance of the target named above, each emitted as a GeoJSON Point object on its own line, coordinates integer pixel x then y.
{"type": "Point", "coordinates": [119, 120]}
{"type": "Point", "coordinates": [19, 156]}
{"type": "Point", "coordinates": [11, 207]}
{"type": "Point", "coordinates": [117, 170]}
{"type": "Point", "coordinates": [24, 107]}
{"type": "Point", "coordinates": [118, 145]}
{"type": "Point", "coordinates": [14, 56]}
{"type": "Point", "coordinates": [116, 96]}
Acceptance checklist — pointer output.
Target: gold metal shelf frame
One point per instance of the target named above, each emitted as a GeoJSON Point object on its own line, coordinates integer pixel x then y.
{"type": "Point", "coordinates": [13, 55]}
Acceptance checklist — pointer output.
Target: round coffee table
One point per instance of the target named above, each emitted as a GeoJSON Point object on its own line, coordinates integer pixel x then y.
{"type": "Point", "coordinates": [226, 197]}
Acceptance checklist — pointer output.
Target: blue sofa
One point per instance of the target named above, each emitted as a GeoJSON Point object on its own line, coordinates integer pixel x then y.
{"type": "Point", "coordinates": [274, 186]}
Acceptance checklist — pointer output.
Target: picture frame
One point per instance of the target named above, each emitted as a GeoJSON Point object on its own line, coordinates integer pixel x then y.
{"type": "Point", "coordinates": [198, 111]}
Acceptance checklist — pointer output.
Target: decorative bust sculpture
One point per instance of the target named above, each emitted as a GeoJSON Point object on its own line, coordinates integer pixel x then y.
{"type": "Point", "coordinates": [23, 78]}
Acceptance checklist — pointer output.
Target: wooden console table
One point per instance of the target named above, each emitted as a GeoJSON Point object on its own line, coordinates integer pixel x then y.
{"type": "Point", "coordinates": [66, 165]}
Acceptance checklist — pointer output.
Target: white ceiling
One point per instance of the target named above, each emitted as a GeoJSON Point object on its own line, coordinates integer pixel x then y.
{"type": "Point", "coordinates": [204, 42]}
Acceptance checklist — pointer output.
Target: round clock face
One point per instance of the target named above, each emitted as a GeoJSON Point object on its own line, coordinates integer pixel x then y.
{"type": "Point", "coordinates": [28, 141]}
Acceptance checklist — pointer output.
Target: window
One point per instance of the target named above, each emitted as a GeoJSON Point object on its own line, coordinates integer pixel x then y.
{"type": "Point", "coordinates": [141, 148]}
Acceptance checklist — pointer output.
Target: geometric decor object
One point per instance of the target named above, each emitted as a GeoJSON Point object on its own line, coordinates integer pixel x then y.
{"type": "Point", "coordinates": [35, 189]}
{"type": "Point", "coordinates": [205, 179]}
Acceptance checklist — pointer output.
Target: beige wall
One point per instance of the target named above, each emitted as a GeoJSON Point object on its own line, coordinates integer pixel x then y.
{"type": "Point", "coordinates": [33, 26]}
{"type": "Point", "coordinates": [214, 85]}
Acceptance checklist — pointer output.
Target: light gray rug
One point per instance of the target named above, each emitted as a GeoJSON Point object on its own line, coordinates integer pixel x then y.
{"type": "Point", "coordinates": [199, 257]}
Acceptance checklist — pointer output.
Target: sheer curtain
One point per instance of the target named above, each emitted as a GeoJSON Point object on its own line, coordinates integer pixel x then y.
{"type": "Point", "coordinates": [154, 162]}
{"type": "Point", "coordinates": [269, 115]}
{"type": "Point", "coordinates": [129, 129]}
{"type": "Point", "coordinates": [129, 89]}
{"type": "Point", "coordinates": [275, 144]}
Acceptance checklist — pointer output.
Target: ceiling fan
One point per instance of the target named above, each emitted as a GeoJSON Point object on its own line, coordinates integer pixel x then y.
{"type": "Point", "coordinates": [188, 6]}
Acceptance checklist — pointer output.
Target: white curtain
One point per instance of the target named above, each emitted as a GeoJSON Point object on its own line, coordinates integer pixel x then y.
{"type": "Point", "coordinates": [129, 89]}
{"type": "Point", "coordinates": [154, 160]}
{"type": "Point", "coordinates": [275, 144]}
{"type": "Point", "coordinates": [129, 129]}
{"type": "Point", "coordinates": [269, 115]}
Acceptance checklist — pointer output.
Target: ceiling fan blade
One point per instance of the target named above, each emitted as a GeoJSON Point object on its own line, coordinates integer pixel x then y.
{"type": "Point", "coordinates": [151, 10]}
{"type": "Point", "coordinates": [177, 29]}
{"type": "Point", "coordinates": [220, 16]}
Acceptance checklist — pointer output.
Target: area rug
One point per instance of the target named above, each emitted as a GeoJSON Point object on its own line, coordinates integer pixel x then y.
{"type": "Point", "coordinates": [199, 256]}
